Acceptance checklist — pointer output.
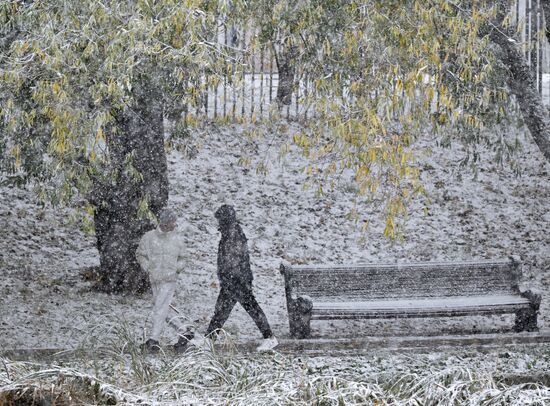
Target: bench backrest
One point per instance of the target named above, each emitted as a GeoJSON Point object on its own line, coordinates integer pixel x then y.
{"type": "Point", "coordinates": [414, 280]}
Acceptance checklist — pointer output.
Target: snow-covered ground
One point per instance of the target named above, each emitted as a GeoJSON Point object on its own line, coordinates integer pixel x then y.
{"type": "Point", "coordinates": [45, 303]}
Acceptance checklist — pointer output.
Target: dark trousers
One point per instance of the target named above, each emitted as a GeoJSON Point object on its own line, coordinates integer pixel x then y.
{"type": "Point", "coordinates": [227, 298]}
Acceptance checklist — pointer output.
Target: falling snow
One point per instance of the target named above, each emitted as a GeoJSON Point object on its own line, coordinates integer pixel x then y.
{"type": "Point", "coordinates": [46, 303]}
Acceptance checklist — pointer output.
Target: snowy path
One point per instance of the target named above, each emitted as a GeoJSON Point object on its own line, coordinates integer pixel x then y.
{"type": "Point", "coordinates": [320, 347]}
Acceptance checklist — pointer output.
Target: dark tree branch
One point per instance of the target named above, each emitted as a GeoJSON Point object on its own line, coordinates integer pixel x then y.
{"type": "Point", "coordinates": [520, 79]}
{"type": "Point", "coordinates": [521, 83]}
{"type": "Point", "coordinates": [546, 12]}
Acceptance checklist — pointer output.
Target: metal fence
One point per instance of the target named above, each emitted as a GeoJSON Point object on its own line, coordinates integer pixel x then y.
{"type": "Point", "coordinates": [252, 94]}
{"type": "Point", "coordinates": [528, 16]}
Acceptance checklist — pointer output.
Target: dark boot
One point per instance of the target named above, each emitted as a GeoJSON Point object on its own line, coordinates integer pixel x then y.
{"type": "Point", "coordinates": [183, 340]}
{"type": "Point", "coordinates": [152, 346]}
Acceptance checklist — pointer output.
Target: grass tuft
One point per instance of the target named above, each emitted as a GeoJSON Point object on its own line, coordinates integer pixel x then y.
{"type": "Point", "coordinates": [122, 374]}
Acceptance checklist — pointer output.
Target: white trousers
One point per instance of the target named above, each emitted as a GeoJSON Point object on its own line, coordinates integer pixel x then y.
{"type": "Point", "coordinates": [163, 293]}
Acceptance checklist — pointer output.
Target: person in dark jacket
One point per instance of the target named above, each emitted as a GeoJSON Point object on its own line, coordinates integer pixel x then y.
{"type": "Point", "coordinates": [235, 278]}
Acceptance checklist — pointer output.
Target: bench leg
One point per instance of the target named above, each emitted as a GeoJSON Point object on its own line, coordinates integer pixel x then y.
{"type": "Point", "coordinates": [300, 325]}
{"type": "Point", "coordinates": [526, 319]}
{"type": "Point", "coordinates": [299, 318]}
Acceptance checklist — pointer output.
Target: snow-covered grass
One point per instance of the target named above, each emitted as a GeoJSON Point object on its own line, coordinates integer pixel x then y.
{"type": "Point", "coordinates": [126, 376]}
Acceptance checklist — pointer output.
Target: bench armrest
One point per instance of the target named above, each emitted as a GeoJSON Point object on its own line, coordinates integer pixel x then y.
{"type": "Point", "coordinates": [533, 295]}
{"type": "Point", "coordinates": [283, 267]}
{"type": "Point", "coordinates": [303, 304]}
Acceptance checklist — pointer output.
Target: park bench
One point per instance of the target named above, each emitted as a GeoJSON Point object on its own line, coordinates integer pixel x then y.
{"type": "Point", "coordinates": [385, 291]}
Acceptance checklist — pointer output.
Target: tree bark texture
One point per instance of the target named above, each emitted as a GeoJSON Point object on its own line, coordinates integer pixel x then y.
{"type": "Point", "coordinates": [522, 85]}
{"type": "Point", "coordinates": [287, 71]}
{"type": "Point", "coordinates": [546, 12]}
{"type": "Point", "coordinates": [118, 228]}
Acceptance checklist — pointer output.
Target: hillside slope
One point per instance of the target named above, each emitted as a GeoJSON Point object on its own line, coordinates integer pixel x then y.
{"type": "Point", "coordinates": [45, 302]}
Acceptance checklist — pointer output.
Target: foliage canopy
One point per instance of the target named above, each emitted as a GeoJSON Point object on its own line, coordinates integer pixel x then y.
{"type": "Point", "coordinates": [70, 69]}
{"type": "Point", "coordinates": [383, 73]}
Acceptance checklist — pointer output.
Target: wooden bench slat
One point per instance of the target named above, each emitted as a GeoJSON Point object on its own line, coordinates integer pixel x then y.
{"type": "Point", "coordinates": [409, 314]}
{"type": "Point", "coordinates": [458, 302]}
{"type": "Point", "coordinates": [419, 307]}
{"type": "Point", "coordinates": [367, 282]}
{"type": "Point", "coordinates": [395, 292]}
{"type": "Point", "coordinates": [408, 275]}
{"type": "Point", "coordinates": [367, 278]}
{"type": "Point", "coordinates": [397, 267]}
{"type": "Point", "coordinates": [382, 291]}
{"type": "Point", "coordinates": [399, 270]}
{"type": "Point", "coordinates": [476, 274]}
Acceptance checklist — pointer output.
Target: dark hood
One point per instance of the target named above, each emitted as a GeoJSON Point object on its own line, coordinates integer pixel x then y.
{"type": "Point", "coordinates": [226, 217]}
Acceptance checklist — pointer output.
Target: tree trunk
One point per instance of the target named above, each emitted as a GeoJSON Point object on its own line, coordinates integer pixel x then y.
{"type": "Point", "coordinates": [523, 86]}
{"type": "Point", "coordinates": [546, 13]}
{"type": "Point", "coordinates": [118, 228]}
{"type": "Point", "coordinates": [287, 70]}
{"type": "Point", "coordinates": [118, 232]}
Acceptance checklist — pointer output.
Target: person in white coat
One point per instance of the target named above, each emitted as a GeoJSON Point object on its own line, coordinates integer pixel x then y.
{"type": "Point", "coordinates": [161, 253]}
